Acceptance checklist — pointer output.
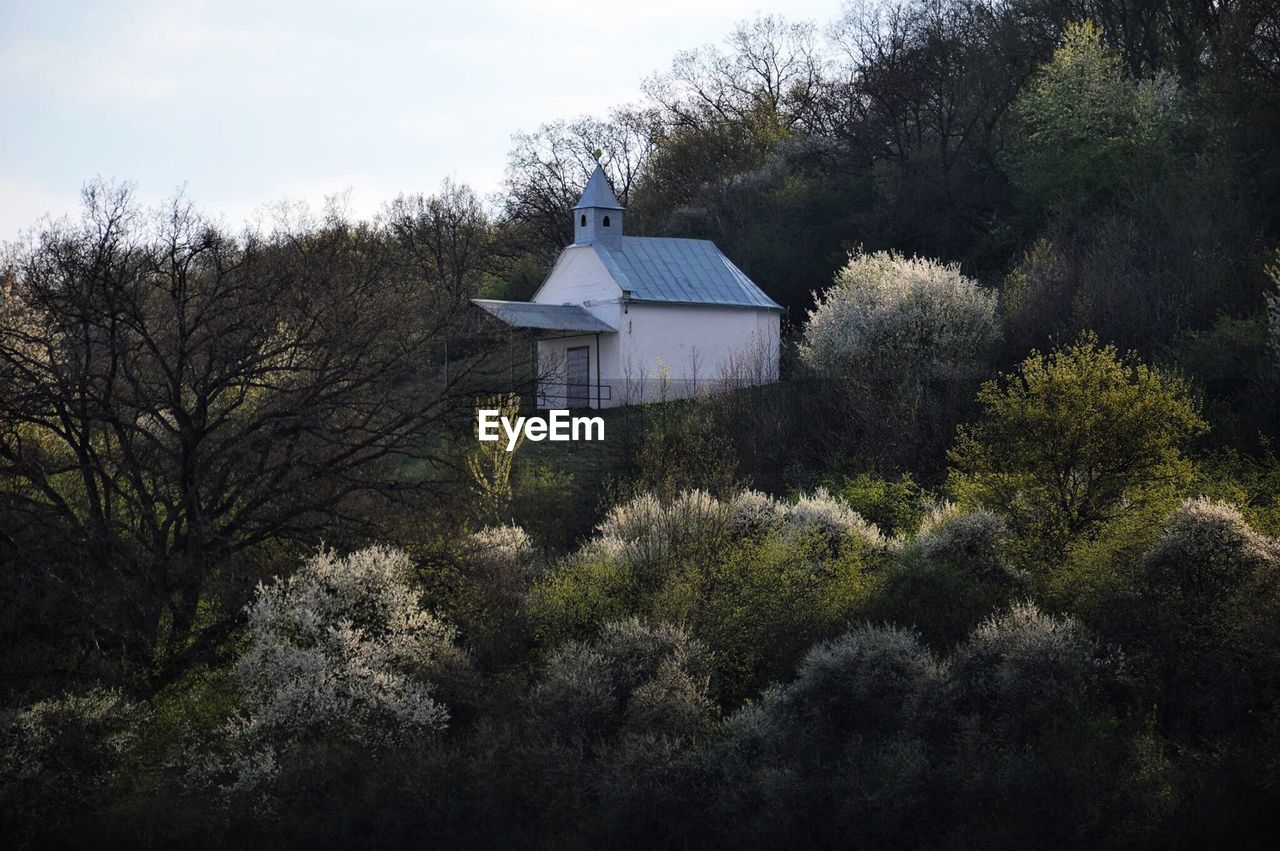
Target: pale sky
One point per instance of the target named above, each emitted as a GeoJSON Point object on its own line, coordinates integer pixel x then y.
{"type": "Point", "coordinates": [250, 102]}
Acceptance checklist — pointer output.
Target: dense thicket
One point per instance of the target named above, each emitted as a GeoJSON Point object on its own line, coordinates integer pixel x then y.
{"type": "Point", "coordinates": [994, 565]}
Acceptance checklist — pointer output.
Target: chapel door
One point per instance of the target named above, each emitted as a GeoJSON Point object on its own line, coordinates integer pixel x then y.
{"type": "Point", "coordinates": [578, 366]}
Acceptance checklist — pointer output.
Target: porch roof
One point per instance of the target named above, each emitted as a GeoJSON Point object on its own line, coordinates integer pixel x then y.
{"type": "Point", "coordinates": [547, 317]}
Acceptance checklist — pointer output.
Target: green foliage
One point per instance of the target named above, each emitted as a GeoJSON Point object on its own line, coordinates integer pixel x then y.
{"type": "Point", "coordinates": [1230, 363]}
{"type": "Point", "coordinates": [756, 580]}
{"type": "Point", "coordinates": [895, 505]}
{"type": "Point", "coordinates": [1071, 656]}
{"type": "Point", "coordinates": [1249, 482]}
{"type": "Point", "coordinates": [947, 579]}
{"type": "Point", "coordinates": [761, 605]}
{"type": "Point", "coordinates": [683, 449]}
{"type": "Point", "coordinates": [1072, 439]}
{"type": "Point", "coordinates": [1080, 127]}
{"type": "Point", "coordinates": [489, 463]}
{"type": "Point", "coordinates": [495, 569]}
{"type": "Point", "coordinates": [544, 503]}
{"type": "Point", "coordinates": [579, 596]}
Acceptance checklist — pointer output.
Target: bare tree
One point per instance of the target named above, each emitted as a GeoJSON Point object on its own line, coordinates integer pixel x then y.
{"type": "Point", "coordinates": [446, 236]}
{"type": "Point", "coordinates": [447, 241]}
{"type": "Point", "coordinates": [768, 71]}
{"type": "Point", "coordinates": [548, 168]}
{"type": "Point", "coordinates": [726, 110]}
{"type": "Point", "coordinates": [175, 402]}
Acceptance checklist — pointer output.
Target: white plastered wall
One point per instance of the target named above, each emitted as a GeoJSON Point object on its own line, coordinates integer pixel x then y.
{"type": "Point", "coordinates": [660, 351]}
{"type": "Point", "coordinates": [580, 277]}
{"type": "Point", "coordinates": [672, 351]}
{"type": "Point", "coordinates": [668, 352]}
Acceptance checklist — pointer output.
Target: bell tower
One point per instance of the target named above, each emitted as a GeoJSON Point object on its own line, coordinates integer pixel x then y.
{"type": "Point", "coordinates": [597, 217]}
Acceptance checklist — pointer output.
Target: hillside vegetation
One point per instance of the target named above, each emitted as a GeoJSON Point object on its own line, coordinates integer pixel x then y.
{"type": "Point", "coordinates": [995, 565]}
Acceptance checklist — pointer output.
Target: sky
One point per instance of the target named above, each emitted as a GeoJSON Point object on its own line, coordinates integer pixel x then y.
{"type": "Point", "coordinates": [244, 104]}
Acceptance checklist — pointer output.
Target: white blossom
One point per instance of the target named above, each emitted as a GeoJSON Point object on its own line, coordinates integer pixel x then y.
{"type": "Point", "coordinates": [834, 520]}
{"type": "Point", "coordinates": [902, 321]}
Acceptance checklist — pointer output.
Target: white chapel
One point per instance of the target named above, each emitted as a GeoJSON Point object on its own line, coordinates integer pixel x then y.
{"type": "Point", "coordinates": [630, 319]}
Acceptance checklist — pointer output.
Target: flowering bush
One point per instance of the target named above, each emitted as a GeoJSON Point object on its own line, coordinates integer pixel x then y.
{"type": "Point", "coordinates": [632, 678]}
{"type": "Point", "coordinates": [1024, 668]}
{"type": "Point", "coordinates": [976, 539]}
{"type": "Point", "coordinates": [831, 519]}
{"type": "Point", "coordinates": [752, 514]}
{"type": "Point", "coordinates": [651, 533]}
{"type": "Point", "coordinates": [870, 678]}
{"type": "Point", "coordinates": [948, 577]}
{"type": "Point", "coordinates": [497, 565]}
{"type": "Point", "coordinates": [756, 579]}
{"type": "Point", "coordinates": [837, 752]}
{"type": "Point", "coordinates": [1207, 552]}
{"type": "Point", "coordinates": [1210, 597]}
{"type": "Point", "coordinates": [57, 755]}
{"type": "Point", "coordinates": [344, 644]}
{"type": "Point", "coordinates": [1038, 742]}
{"type": "Point", "coordinates": [507, 544]}
{"type": "Point", "coordinates": [907, 340]}
{"type": "Point", "coordinates": [339, 652]}
{"type": "Point", "coordinates": [909, 319]}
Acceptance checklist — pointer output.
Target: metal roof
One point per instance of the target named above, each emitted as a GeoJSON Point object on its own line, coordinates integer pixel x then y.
{"type": "Point", "coordinates": [598, 193]}
{"type": "Point", "coordinates": [686, 271]}
{"type": "Point", "coordinates": [549, 317]}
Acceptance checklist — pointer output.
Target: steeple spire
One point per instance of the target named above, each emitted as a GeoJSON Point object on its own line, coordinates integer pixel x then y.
{"type": "Point", "coordinates": [597, 217]}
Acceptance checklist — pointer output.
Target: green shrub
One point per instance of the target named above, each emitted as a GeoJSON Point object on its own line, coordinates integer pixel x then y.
{"type": "Point", "coordinates": [684, 449]}
{"type": "Point", "coordinates": [762, 604]}
{"type": "Point", "coordinates": [896, 506]}
{"type": "Point", "coordinates": [948, 578]}
{"type": "Point", "coordinates": [1071, 440]}
{"type": "Point", "coordinates": [757, 580]}
{"type": "Point", "coordinates": [579, 596]}
{"type": "Point", "coordinates": [1210, 596]}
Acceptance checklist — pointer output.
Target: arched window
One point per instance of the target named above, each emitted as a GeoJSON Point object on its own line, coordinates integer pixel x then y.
{"type": "Point", "coordinates": [584, 221]}
{"type": "Point", "coordinates": [606, 221]}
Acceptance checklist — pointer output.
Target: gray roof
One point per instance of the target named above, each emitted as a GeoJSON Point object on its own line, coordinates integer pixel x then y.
{"type": "Point", "coordinates": [549, 317]}
{"type": "Point", "coordinates": [598, 193]}
{"type": "Point", "coordinates": [686, 271]}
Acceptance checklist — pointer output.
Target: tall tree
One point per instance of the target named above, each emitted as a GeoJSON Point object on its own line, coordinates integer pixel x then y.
{"type": "Point", "coordinates": [913, 106]}
{"type": "Point", "coordinates": [547, 169]}
{"type": "Point", "coordinates": [175, 402]}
